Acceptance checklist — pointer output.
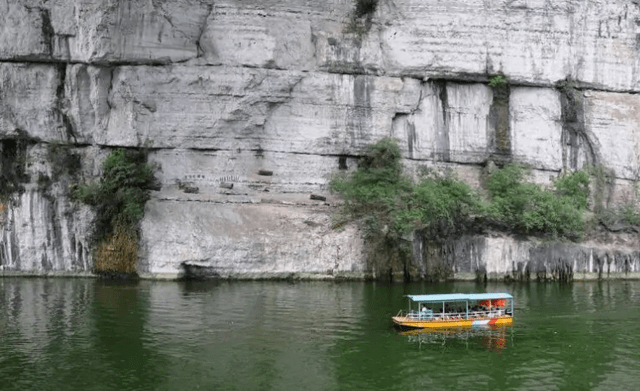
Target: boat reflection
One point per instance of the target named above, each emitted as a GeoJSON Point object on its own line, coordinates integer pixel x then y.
{"type": "Point", "coordinates": [492, 337]}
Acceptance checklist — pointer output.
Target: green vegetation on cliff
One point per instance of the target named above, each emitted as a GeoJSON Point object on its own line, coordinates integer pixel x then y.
{"type": "Point", "coordinates": [497, 81]}
{"type": "Point", "coordinates": [528, 208]}
{"type": "Point", "coordinates": [119, 198]}
{"type": "Point", "coordinates": [391, 205]}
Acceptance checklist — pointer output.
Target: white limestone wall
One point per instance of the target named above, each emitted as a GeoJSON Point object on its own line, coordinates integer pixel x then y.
{"type": "Point", "coordinates": [28, 100]}
{"type": "Point", "coordinates": [249, 238]}
{"type": "Point", "coordinates": [41, 235]}
{"type": "Point", "coordinates": [221, 90]}
{"type": "Point", "coordinates": [612, 121]}
{"type": "Point", "coordinates": [539, 109]}
{"type": "Point", "coordinates": [527, 40]}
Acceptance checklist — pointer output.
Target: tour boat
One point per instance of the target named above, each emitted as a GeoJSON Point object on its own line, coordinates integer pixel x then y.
{"type": "Point", "coordinates": [456, 310]}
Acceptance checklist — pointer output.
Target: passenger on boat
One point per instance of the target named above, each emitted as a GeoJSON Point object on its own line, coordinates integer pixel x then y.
{"type": "Point", "coordinates": [425, 313]}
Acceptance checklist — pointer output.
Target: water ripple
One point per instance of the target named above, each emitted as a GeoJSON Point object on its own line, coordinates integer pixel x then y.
{"type": "Point", "coordinates": [66, 334]}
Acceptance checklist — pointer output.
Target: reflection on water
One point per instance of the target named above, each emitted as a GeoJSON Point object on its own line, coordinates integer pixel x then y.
{"type": "Point", "coordinates": [84, 334]}
{"type": "Point", "coordinates": [493, 338]}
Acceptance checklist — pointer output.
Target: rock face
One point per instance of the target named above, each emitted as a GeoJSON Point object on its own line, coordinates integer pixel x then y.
{"type": "Point", "coordinates": [256, 103]}
{"type": "Point", "coordinates": [500, 256]}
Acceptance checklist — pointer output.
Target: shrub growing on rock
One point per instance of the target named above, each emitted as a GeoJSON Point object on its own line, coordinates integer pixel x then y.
{"type": "Point", "coordinates": [390, 205]}
{"type": "Point", "coordinates": [119, 198]}
{"type": "Point", "coordinates": [530, 209]}
{"type": "Point", "coordinates": [497, 81]}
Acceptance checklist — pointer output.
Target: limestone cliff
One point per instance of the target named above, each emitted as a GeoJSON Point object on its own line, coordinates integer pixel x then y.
{"type": "Point", "coordinates": [257, 102]}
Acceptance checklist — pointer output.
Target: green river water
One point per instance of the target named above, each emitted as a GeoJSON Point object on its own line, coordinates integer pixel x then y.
{"type": "Point", "coordinates": [84, 334]}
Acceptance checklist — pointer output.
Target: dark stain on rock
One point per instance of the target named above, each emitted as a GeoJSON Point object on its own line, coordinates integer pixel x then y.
{"type": "Point", "coordinates": [359, 115]}
{"type": "Point", "coordinates": [48, 33]}
{"type": "Point", "coordinates": [442, 150]}
{"type": "Point", "coordinates": [45, 263]}
{"type": "Point", "coordinates": [84, 91]}
{"type": "Point", "coordinates": [499, 122]}
{"type": "Point", "coordinates": [342, 163]}
{"type": "Point", "coordinates": [13, 161]}
{"type": "Point", "coordinates": [80, 255]}
{"type": "Point", "coordinates": [61, 103]}
{"type": "Point", "coordinates": [575, 139]}
{"type": "Point", "coordinates": [411, 137]}
{"type": "Point", "coordinates": [56, 230]}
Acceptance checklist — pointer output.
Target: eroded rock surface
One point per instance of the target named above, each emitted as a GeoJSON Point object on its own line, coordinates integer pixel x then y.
{"type": "Point", "coordinates": [224, 92]}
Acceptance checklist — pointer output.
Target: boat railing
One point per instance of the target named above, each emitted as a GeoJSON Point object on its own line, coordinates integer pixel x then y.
{"type": "Point", "coordinates": [421, 315]}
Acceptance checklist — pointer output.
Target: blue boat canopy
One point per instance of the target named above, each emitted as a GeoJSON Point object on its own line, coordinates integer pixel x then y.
{"type": "Point", "coordinates": [459, 297]}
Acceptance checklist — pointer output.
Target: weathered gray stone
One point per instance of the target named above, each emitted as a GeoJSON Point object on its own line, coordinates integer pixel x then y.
{"type": "Point", "coordinates": [291, 173]}
{"type": "Point", "coordinates": [527, 41]}
{"type": "Point", "coordinates": [42, 232]}
{"type": "Point", "coordinates": [41, 235]}
{"type": "Point", "coordinates": [23, 31]}
{"type": "Point", "coordinates": [230, 108]}
{"type": "Point", "coordinates": [232, 238]}
{"type": "Point", "coordinates": [449, 124]}
{"type": "Point", "coordinates": [224, 90]}
{"type": "Point", "coordinates": [612, 124]}
{"type": "Point", "coordinates": [539, 109]}
{"type": "Point", "coordinates": [86, 101]}
{"type": "Point", "coordinates": [502, 256]}
{"type": "Point", "coordinates": [29, 102]}
{"type": "Point", "coordinates": [267, 40]}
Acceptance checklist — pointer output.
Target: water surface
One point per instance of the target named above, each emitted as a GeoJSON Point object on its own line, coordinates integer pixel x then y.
{"type": "Point", "coordinates": [77, 334]}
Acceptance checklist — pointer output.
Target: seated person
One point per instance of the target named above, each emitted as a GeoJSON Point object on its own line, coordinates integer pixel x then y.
{"type": "Point", "coordinates": [425, 313]}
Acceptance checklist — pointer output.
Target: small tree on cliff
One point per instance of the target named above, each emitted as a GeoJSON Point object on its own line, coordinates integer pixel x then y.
{"type": "Point", "coordinates": [390, 205]}
{"type": "Point", "coordinates": [527, 208]}
{"type": "Point", "coordinates": [119, 198]}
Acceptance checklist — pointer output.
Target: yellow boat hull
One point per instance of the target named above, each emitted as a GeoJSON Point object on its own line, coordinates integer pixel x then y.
{"type": "Point", "coordinates": [403, 321]}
